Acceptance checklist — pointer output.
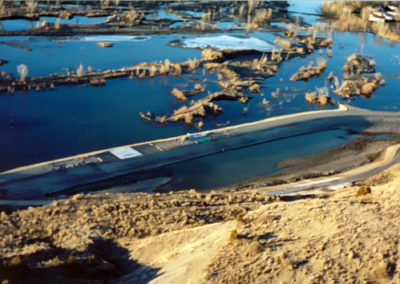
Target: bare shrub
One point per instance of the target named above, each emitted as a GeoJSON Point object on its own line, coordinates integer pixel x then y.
{"type": "Point", "coordinates": [79, 71]}
{"type": "Point", "coordinates": [22, 70]}
{"type": "Point", "coordinates": [262, 15]}
{"type": "Point", "coordinates": [324, 91]}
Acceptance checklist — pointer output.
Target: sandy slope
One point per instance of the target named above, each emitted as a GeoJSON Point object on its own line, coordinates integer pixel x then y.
{"type": "Point", "coordinates": [340, 237]}
{"type": "Point", "coordinates": [183, 255]}
{"type": "Point", "coordinates": [335, 237]}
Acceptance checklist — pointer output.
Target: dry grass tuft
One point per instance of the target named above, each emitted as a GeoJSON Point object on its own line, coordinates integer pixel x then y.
{"type": "Point", "coordinates": [323, 100]}
{"type": "Point", "coordinates": [234, 236]}
{"type": "Point", "coordinates": [255, 88]}
{"type": "Point", "coordinates": [251, 26]}
{"type": "Point", "coordinates": [145, 116]}
{"type": "Point", "coordinates": [368, 88]}
{"type": "Point", "coordinates": [276, 93]}
{"type": "Point", "coordinates": [210, 54]}
{"type": "Point", "coordinates": [239, 217]}
{"type": "Point", "coordinates": [283, 43]}
{"type": "Point", "coordinates": [79, 71]}
{"type": "Point", "coordinates": [200, 125]}
{"type": "Point", "coordinates": [178, 94]}
{"type": "Point", "coordinates": [311, 97]}
{"type": "Point", "coordinates": [363, 190]}
{"type": "Point", "coordinates": [177, 69]}
{"type": "Point", "coordinates": [330, 76]}
{"type": "Point", "coordinates": [262, 15]}
{"type": "Point", "coordinates": [321, 65]}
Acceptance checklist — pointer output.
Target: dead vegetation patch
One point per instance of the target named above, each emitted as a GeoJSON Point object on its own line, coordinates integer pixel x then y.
{"type": "Point", "coordinates": [307, 72]}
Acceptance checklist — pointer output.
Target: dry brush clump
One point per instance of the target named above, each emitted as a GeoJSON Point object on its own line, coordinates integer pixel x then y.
{"type": "Point", "coordinates": [322, 98]}
{"type": "Point", "coordinates": [346, 13]}
{"type": "Point", "coordinates": [255, 88]}
{"type": "Point", "coordinates": [306, 72]}
{"type": "Point", "coordinates": [311, 97]}
{"type": "Point", "coordinates": [386, 31]}
{"type": "Point", "coordinates": [213, 55]}
{"type": "Point", "coordinates": [283, 43]}
{"type": "Point", "coordinates": [354, 16]}
{"type": "Point", "coordinates": [201, 108]}
{"type": "Point", "coordinates": [359, 85]}
{"type": "Point", "coordinates": [262, 15]}
{"type": "Point", "coordinates": [182, 95]}
{"type": "Point", "coordinates": [358, 64]}
{"type": "Point", "coordinates": [363, 190]}
{"type": "Point", "coordinates": [178, 94]}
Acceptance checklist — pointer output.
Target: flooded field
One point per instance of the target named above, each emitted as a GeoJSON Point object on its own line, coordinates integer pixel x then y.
{"type": "Point", "coordinates": [44, 115]}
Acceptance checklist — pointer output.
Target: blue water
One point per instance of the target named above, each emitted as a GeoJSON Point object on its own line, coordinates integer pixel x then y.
{"type": "Point", "coordinates": [231, 167]}
{"type": "Point", "coordinates": [38, 126]}
{"type": "Point", "coordinates": [52, 55]}
{"type": "Point", "coordinates": [15, 25]}
{"type": "Point", "coordinates": [305, 10]}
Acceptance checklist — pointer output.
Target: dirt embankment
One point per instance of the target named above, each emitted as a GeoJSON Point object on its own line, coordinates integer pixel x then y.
{"type": "Point", "coordinates": [359, 152]}
{"type": "Point", "coordinates": [240, 237]}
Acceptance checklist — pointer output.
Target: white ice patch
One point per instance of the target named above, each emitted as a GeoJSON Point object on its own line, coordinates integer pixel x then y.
{"type": "Point", "coordinates": [109, 38]}
{"type": "Point", "coordinates": [228, 42]}
{"type": "Point", "coordinates": [125, 153]}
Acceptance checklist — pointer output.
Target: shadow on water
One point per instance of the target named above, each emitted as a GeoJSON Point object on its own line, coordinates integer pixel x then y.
{"type": "Point", "coordinates": [104, 261]}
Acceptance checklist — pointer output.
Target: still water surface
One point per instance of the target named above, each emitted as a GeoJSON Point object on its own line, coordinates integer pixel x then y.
{"type": "Point", "coordinates": [39, 126]}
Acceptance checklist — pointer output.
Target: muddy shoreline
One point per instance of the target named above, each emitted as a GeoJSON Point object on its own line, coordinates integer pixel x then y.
{"type": "Point", "coordinates": [328, 163]}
